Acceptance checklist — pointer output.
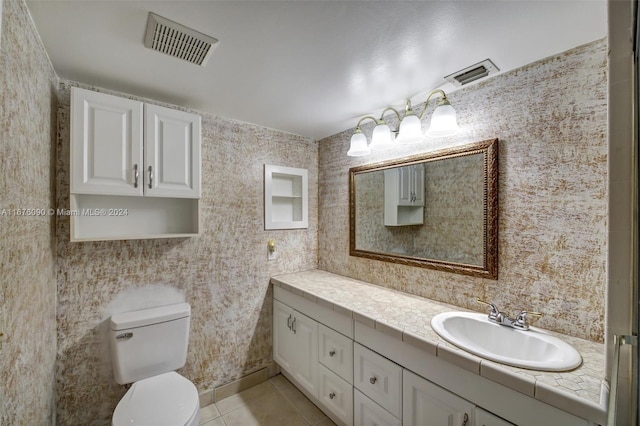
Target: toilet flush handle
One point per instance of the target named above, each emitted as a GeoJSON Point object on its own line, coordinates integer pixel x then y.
{"type": "Point", "coordinates": [124, 336]}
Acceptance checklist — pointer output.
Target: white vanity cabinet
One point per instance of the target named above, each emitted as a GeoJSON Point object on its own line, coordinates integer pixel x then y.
{"type": "Point", "coordinates": [135, 169]}
{"type": "Point", "coordinates": [404, 195]}
{"type": "Point", "coordinates": [426, 404]}
{"type": "Point", "coordinates": [295, 345]}
{"type": "Point", "coordinates": [366, 377]}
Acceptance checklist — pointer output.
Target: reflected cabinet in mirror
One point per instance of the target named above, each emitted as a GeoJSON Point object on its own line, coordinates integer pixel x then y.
{"type": "Point", "coordinates": [437, 210]}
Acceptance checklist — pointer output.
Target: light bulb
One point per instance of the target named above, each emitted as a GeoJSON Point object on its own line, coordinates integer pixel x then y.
{"type": "Point", "coordinates": [382, 138]}
{"type": "Point", "coordinates": [443, 121]}
{"type": "Point", "coordinates": [410, 130]}
{"type": "Point", "coordinates": [358, 146]}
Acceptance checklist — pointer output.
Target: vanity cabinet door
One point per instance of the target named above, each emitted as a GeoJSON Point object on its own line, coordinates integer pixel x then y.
{"type": "Point", "coordinates": [484, 418]}
{"type": "Point", "coordinates": [368, 413]}
{"type": "Point", "coordinates": [336, 395]}
{"type": "Point", "coordinates": [305, 352]}
{"type": "Point", "coordinates": [295, 345]}
{"type": "Point", "coordinates": [284, 347]}
{"type": "Point", "coordinates": [172, 153]}
{"type": "Point", "coordinates": [106, 144]}
{"type": "Point", "coordinates": [335, 351]}
{"type": "Point", "coordinates": [378, 378]}
{"type": "Point", "coordinates": [426, 404]}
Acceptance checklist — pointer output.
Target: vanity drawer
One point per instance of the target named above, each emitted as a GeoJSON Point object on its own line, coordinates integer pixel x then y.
{"type": "Point", "coordinates": [378, 378]}
{"type": "Point", "coordinates": [336, 395]}
{"type": "Point", "coordinates": [336, 352]}
{"type": "Point", "coordinates": [368, 413]}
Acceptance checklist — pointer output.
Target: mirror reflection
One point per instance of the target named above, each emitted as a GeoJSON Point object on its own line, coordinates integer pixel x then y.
{"type": "Point", "coordinates": [436, 210]}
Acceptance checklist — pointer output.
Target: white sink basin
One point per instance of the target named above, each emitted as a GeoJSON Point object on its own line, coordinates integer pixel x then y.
{"type": "Point", "coordinates": [533, 349]}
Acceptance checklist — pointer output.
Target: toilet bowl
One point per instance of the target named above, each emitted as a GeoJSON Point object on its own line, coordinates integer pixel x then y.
{"type": "Point", "coordinates": [165, 400]}
{"type": "Point", "coordinates": [146, 347]}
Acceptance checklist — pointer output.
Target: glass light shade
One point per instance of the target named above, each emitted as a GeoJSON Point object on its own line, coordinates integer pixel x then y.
{"type": "Point", "coordinates": [410, 130]}
{"type": "Point", "coordinates": [443, 121]}
{"type": "Point", "coordinates": [358, 147]}
{"type": "Point", "coordinates": [382, 138]}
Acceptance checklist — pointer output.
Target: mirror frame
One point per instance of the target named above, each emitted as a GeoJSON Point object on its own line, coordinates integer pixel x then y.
{"type": "Point", "coordinates": [489, 268]}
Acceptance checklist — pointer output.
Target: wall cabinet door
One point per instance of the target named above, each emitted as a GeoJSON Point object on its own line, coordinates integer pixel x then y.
{"type": "Point", "coordinates": [171, 153]}
{"type": "Point", "coordinates": [426, 404]}
{"type": "Point", "coordinates": [295, 345]}
{"type": "Point", "coordinates": [106, 144]}
{"type": "Point", "coordinates": [410, 183]}
{"type": "Point", "coordinates": [404, 195]}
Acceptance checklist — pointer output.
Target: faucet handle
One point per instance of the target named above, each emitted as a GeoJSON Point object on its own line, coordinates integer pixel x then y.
{"type": "Point", "coordinates": [494, 312]}
{"type": "Point", "coordinates": [521, 319]}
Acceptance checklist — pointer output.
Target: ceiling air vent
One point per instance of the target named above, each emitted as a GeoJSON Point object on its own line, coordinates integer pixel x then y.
{"type": "Point", "coordinates": [177, 40]}
{"type": "Point", "coordinates": [472, 73]}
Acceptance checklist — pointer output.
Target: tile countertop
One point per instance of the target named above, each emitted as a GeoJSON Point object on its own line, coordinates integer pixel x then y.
{"type": "Point", "coordinates": [408, 318]}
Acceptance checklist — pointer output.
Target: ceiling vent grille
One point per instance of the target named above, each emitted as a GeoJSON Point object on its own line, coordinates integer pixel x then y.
{"type": "Point", "coordinates": [472, 73]}
{"type": "Point", "coordinates": [177, 40]}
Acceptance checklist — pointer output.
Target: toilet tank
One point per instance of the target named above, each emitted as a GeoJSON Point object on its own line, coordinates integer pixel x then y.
{"type": "Point", "coordinates": [149, 342]}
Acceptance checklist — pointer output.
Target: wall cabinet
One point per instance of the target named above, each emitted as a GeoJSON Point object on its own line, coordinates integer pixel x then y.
{"type": "Point", "coordinates": [295, 345]}
{"type": "Point", "coordinates": [404, 195]}
{"type": "Point", "coordinates": [135, 169]}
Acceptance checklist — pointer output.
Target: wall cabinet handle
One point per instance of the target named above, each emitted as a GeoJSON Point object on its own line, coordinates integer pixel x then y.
{"type": "Point", "coordinates": [293, 326]}
{"type": "Point", "coordinates": [373, 380]}
{"type": "Point", "coordinates": [465, 420]}
{"type": "Point", "coordinates": [332, 395]}
{"type": "Point", "coordinates": [289, 322]}
{"type": "Point", "coordinates": [136, 175]}
{"type": "Point", "coordinates": [332, 352]}
{"type": "Point", "coordinates": [150, 177]}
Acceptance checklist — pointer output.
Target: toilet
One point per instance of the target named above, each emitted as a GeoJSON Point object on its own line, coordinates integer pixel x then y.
{"type": "Point", "coordinates": [146, 347]}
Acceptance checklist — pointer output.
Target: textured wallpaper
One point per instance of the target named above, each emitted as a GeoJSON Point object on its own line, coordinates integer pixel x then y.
{"type": "Point", "coordinates": [551, 119]}
{"type": "Point", "coordinates": [27, 249]}
{"type": "Point", "coordinates": [224, 273]}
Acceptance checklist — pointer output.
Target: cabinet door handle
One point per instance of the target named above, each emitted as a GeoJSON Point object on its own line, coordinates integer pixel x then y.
{"type": "Point", "coordinates": [150, 177]}
{"type": "Point", "coordinates": [373, 380]}
{"type": "Point", "coordinates": [332, 352]}
{"type": "Point", "coordinates": [465, 419]}
{"type": "Point", "coordinates": [293, 326]}
{"type": "Point", "coordinates": [289, 322]}
{"type": "Point", "coordinates": [332, 395]}
{"type": "Point", "coordinates": [136, 175]}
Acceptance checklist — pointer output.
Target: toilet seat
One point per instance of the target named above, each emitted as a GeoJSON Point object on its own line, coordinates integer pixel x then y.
{"type": "Point", "coordinates": [164, 400]}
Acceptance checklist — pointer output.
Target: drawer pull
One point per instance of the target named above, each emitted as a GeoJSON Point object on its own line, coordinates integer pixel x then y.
{"type": "Point", "coordinates": [373, 380]}
{"type": "Point", "coordinates": [332, 352]}
{"type": "Point", "coordinates": [332, 395]}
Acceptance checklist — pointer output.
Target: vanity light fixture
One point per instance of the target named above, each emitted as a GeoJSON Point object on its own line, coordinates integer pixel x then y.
{"type": "Point", "coordinates": [443, 123]}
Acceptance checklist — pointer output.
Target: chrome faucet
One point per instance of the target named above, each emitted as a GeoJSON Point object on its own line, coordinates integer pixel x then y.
{"type": "Point", "coordinates": [520, 321]}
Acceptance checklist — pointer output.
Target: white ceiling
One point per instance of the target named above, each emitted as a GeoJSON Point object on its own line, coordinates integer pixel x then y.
{"type": "Point", "coordinates": [307, 67]}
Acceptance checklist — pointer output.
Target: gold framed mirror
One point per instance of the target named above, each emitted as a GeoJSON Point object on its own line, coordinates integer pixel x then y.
{"type": "Point", "coordinates": [437, 210]}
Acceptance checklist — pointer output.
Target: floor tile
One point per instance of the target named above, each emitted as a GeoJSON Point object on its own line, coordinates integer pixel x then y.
{"type": "Point", "coordinates": [325, 422]}
{"type": "Point", "coordinates": [301, 403]}
{"type": "Point", "coordinates": [269, 410]}
{"type": "Point", "coordinates": [235, 401]}
{"type": "Point", "coordinates": [214, 422]}
{"type": "Point", "coordinates": [209, 412]}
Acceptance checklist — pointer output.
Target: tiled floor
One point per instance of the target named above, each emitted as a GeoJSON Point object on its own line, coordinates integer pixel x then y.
{"type": "Point", "coordinates": [275, 402]}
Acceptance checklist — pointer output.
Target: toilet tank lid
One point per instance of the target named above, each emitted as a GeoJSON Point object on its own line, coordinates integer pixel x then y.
{"type": "Point", "coordinates": [149, 316]}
